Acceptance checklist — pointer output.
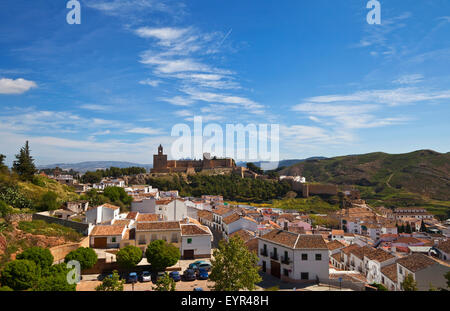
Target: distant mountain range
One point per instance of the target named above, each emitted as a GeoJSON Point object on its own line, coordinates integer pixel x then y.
{"type": "Point", "coordinates": [280, 164]}
{"type": "Point", "coordinates": [83, 167]}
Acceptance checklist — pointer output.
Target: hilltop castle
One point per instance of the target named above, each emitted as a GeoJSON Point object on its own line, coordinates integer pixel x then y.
{"type": "Point", "coordinates": [162, 165]}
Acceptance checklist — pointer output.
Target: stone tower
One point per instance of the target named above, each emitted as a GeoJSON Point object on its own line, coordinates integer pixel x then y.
{"type": "Point", "coordinates": [160, 159]}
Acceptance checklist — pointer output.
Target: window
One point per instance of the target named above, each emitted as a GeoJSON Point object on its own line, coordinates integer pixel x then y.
{"type": "Point", "coordinates": [164, 238]}
{"type": "Point", "coordinates": [174, 238]}
{"type": "Point", "coordinates": [285, 272]}
{"type": "Point", "coordinates": [304, 276]}
{"type": "Point", "coordinates": [189, 241]}
{"type": "Point", "coordinates": [113, 239]}
{"type": "Point", "coordinates": [154, 237]}
{"type": "Point", "coordinates": [264, 268]}
{"type": "Point", "coordinates": [304, 256]}
{"type": "Point", "coordinates": [142, 240]}
{"type": "Point", "coordinates": [318, 257]}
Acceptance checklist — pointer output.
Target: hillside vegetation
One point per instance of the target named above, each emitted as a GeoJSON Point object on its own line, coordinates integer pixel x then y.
{"type": "Point", "coordinates": [420, 178]}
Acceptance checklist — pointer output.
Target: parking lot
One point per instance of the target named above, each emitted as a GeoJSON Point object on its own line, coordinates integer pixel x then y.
{"type": "Point", "coordinates": [89, 282]}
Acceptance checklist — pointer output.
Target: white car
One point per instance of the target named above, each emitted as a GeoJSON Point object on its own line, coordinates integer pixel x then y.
{"type": "Point", "coordinates": [146, 276]}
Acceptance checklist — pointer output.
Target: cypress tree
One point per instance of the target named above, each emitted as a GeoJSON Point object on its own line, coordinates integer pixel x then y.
{"type": "Point", "coordinates": [24, 165]}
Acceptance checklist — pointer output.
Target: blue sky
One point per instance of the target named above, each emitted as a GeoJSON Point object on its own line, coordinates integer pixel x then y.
{"type": "Point", "coordinates": [113, 87]}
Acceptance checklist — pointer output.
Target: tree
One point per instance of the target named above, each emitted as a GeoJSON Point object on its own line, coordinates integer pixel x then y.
{"type": "Point", "coordinates": [161, 255]}
{"type": "Point", "coordinates": [117, 194]}
{"type": "Point", "coordinates": [129, 256]}
{"type": "Point", "coordinates": [54, 279]}
{"type": "Point", "coordinates": [111, 283]}
{"type": "Point", "coordinates": [20, 274]}
{"type": "Point", "coordinates": [3, 167]}
{"type": "Point", "coordinates": [5, 209]}
{"type": "Point", "coordinates": [24, 165]}
{"type": "Point", "coordinates": [252, 167]}
{"type": "Point", "coordinates": [447, 276]}
{"type": "Point", "coordinates": [409, 284]}
{"type": "Point", "coordinates": [42, 257]}
{"type": "Point", "coordinates": [234, 267]}
{"type": "Point", "coordinates": [165, 284]}
{"type": "Point", "coordinates": [84, 255]}
{"type": "Point", "coordinates": [408, 228]}
{"type": "Point", "coordinates": [48, 202]}
{"type": "Point", "coordinates": [423, 228]}
{"type": "Point", "coordinates": [380, 287]}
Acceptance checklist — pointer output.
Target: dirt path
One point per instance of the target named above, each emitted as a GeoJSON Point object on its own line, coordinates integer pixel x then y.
{"type": "Point", "coordinates": [389, 179]}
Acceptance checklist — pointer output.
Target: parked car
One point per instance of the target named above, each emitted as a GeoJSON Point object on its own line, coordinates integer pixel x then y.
{"type": "Point", "coordinates": [146, 276]}
{"type": "Point", "coordinates": [202, 274]}
{"type": "Point", "coordinates": [189, 275]}
{"type": "Point", "coordinates": [200, 264]}
{"type": "Point", "coordinates": [198, 289]}
{"type": "Point", "coordinates": [158, 275]}
{"type": "Point", "coordinates": [175, 275]}
{"type": "Point", "coordinates": [132, 277]}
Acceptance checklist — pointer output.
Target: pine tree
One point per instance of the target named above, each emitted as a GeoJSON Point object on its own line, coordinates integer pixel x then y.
{"type": "Point", "coordinates": [24, 165]}
{"type": "Point", "coordinates": [423, 228]}
{"type": "Point", "coordinates": [3, 167]}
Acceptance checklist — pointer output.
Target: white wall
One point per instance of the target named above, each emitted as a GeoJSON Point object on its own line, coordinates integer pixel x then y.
{"type": "Point", "coordinates": [146, 206]}
{"type": "Point", "coordinates": [201, 244]}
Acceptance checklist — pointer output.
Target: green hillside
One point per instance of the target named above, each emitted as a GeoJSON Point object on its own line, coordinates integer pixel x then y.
{"type": "Point", "coordinates": [420, 178]}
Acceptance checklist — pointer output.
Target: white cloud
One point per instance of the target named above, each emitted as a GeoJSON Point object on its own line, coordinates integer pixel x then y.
{"type": "Point", "coordinates": [165, 35]}
{"type": "Point", "coordinates": [389, 97]}
{"type": "Point", "coordinates": [153, 83]}
{"type": "Point", "coordinates": [178, 101]}
{"type": "Point", "coordinates": [409, 79]}
{"type": "Point", "coordinates": [18, 86]}
{"type": "Point", "coordinates": [94, 107]}
{"type": "Point", "coordinates": [144, 131]}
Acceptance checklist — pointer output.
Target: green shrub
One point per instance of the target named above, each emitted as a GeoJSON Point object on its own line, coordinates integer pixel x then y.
{"type": "Point", "coordinates": [84, 255]}
{"type": "Point", "coordinates": [42, 257]}
{"type": "Point", "coordinates": [20, 274]}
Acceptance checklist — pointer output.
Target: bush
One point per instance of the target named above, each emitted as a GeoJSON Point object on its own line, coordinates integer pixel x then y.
{"type": "Point", "coordinates": [54, 279]}
{"type": "Point", "coordinates": [161, 255]}
{"type": "Point", "coordinates": [129, 257]}
{"type": "Point", "coordinates": [6, 289]}
{"type": "Point", "coordinates": [40, 227]}
{"type": "Point", "coordinates": [49, 202]}
{"type": "Point", "coordinates": [84, 255]}
{"type": "Point", "coordinates": [5, 209]}
{"type": "Point", "coordinates": [40, 256]}
{"type": "Point", "coordinates": [20, 274]}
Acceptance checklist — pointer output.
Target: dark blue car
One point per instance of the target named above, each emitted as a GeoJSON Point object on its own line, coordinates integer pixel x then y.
{"type": "Point", "coordinates": [132, 277]}
{"type": "Point", "coordinates": [175, 275]}
{"type": "Point", "coordinates": [202, 274]}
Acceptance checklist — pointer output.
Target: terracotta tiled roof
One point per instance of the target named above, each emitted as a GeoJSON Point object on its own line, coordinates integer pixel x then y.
{"type": "Point", "coordinates": [243, 234]}
{"type": "Point", "coordinates": [407, 240]}
{"type": "Point", "coordinates": [335, 245]}
{"type": "Point", "coordinates": [132, 215]}
{"type": "Point", "coordinates": [390, 272]}
{"type": "Point", "coordinates": [147, 218]}
{"type": "Point", "coordinates": [230, 219]}
{"type": "Point", "coordinates": [111, 230]}
{"type": "Point", "coordinates": [444, 246]}
{"type": "Point", "coordinates": [163, 202]}
{"type": "Point", "coordinates": [107, 205]}
{"type": "Point", "coordinates": [205, 215]}
{"type": "Point", "coordinates": [416, 262]}
{"type": "Point", "coordinates": [281, 237]}
{"type": "Point", "coordinates": [193, 230]}
{"type": "Point", "coordinates": [297, 241]}
{"type": "Point", "coordinates": [379, 255]}
{"type": "Point", "coordinates": [159, 225]}
{"type": "Point", "coordinates": [337, 256]}
{"type": "Point", "coordinates": [311, 242]}
{"type": "Point", "coordinates": [222, 211]}
{"type": "Point", "coordinates": [362, 251]}
{"type": "Point", "coordinates": [252, 245]}
{"type": "Point", "coordinates": [123, 222]}
{"type": "Point", "coordinates": [337, 232]}
{"type": "Point", "coordinates": [347, 250]}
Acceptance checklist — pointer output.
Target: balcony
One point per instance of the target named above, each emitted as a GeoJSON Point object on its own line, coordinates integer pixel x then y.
{"type": "Point", "coordinates": [274, 256]}
{"type": "Point", "coordinates": [263, 252]}
{"type": "Point", "coordinates": [285, 260]}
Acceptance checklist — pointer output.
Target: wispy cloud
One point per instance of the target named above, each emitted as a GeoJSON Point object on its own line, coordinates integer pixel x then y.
{"type": "Point", "coordinates": [409, 79]}
{"type": "Point", "coordinates": [18, 86]}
